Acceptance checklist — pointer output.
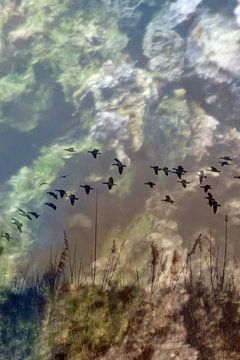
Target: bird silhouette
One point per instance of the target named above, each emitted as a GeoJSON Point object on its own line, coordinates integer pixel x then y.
{"type": "Point", "coordinates": [63, 176]}
{"type": "Point", "coordinates": [61, 192]}
{"type": "Point", "coordinates": [87, 188]}
{"type": "Point", "coordinates": [150, 183]}
{"type": "Point", "coordinates": [166, 170]}
{"type": "Point", "coordinates": [210, 199]}
{"type": "Point", "coordinates": [215, 206]}
{"type": "Point", "coordinates": [72, 198]}
{"type": "Point", "coordinates": [33, 213]}
{"type": "Point", "coordinates": [51, 193]}
{"type": "Point", "coordinates": [70, 149]}
{"type": "Point", "coordinates": [24, 213]}
{"type": "Point", "coordinates": [155, 168]}
{"type": "Point", "coordinates": [202, 176]}
{"type": "Point", "coordinates": [226, 158]}
{"type": "Point", "coordinates": [184, 182]}
{"type": "Point", "coordinates": [214, 169]}
{"type": "Point", "coordinates": [43, 183]}
{"type": "Point", "coordinates": [179, 171]}
{"type": "Point", "coordinates": [7, 236]}
{"type": "Point", "coordinates": [237, 177]}
{"type": "Point", "coordinates": [51, 205]}
{"type": "Point", "coordinates": [110, 183]}
{"type": "Point", "coordinates": [206, 187]}
{"type": "Point", "coordinates": [94, 152]}
{"type": "Point", "coordinates": [223, 163]}
{"type": "Point", "coordinates": [120, 166]}
{"type": "Point", "coordinates": [168, 200]}
{"type": "Point", "coordinates": [18, 224]}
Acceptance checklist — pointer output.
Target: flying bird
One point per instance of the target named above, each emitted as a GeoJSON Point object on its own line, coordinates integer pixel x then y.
{"type": "Point", "coordinates": [165, 169]}
{"type": "Point", "coordinates": [150, 183]}
{"type": "Point", "coordinates": [109, 183]}
{"type": "Point", "coordinates": [184, 182]}
{"type": "Point", "coordinates": [72, 198]}
{"type": "Point", "coordinates": [155, 168]}
{"type": "Point", "coordinates": [223, 163]}
{"type": "Point", "coordinates": [210, 199]}
{"type": "Point", "coordinates": [62, 192]}
{"type": "Point", "coordinates": [33, 213]}
{"type": "Point", "coordinates": [202, 176]}
{"type": "Point", "coordinates": [51, 193]}
{"type": "Point", "coordinates": [24, 213]}
{"type": "Point", "coordinates": [226, 158]}
{"type": "Point", "coordinates": [215, 206]}
{"type": "Point", "coordinates": [179, 171]}
{"type": "Point", "coordinates": [94, 152]}
{"type": "Point", "coordinates": [18, 224]}
{"type": "Point", "coordinates": [120, 166]}
{"type": "Point", "coordinates": [206, 187]}
{"type": "Point", "coordinates": [70, 149]}
{"type": "Point", "coordinates": [7, 236]}
{"type": "Point", "coordinates": [43, 183]}
{"type": "Point", "coordinates": [237, 177]}
{"type": "Point", "coordinates": [214, 169]}
{"type": "Point", "coordinates": [63, 176]}
{"type": "Point", "coordinates": [168, 200]}
{"type": "Point", "coordinates": [87, 188]}
{"type": "Point", "coordinates": [51, 205]}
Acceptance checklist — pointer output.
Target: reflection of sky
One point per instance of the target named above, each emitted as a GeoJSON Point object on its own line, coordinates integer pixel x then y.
{"type": "Point", "coordinates": [208, 139]}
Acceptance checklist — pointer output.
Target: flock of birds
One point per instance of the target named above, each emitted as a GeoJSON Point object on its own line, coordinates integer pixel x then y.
{"type": "Point", "coordinates": [179, 171]}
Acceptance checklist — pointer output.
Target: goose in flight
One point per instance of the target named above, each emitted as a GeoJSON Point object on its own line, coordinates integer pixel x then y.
{"type": "Point", "coordinates": [210, 199]}
{"type": "Point", "coordinates": [120, 166]}
{"type": "Point", "coordinates": [223, 163]}
{"type": "Point", "coordinates": [18, 224]}
{"type": "Point", "coordinates": [215, 206]}
{"type": "Point", "coordinates": [24, 213]}
{"type": "Point", "coordinates": [179, 171]}
{"type": "Point", "coordinates": [155, 168]}
{"type": "Point", "coordinates": [51, 193]}
{"type": "Point", "coordinates": [34, 213]}
{"type": "Point", "coordinates": [6, 236]}
{"type": "Point", "coordinates": [206, 187]}
{"type": "Point", "coordinates": [166, 170]}
{"type": "Point", "coordinates": [110, 183]}
{"type": "Point", "coordinates": [72, 198]}
{"type": "Point", "coordinates": [44, 183]}
{"type": "Point", "coordinates": [150, 183]}
{"type": "Point", "coordinates": [61, 192]}
{"type": "Point", "coordinates": [202, 176]}
{"type": "Point", "coordinates": [51, 205]}
{"type": "Point", "coordinates": [87, 188]}
{"type": "Point", "coordinates": [70, 149]}
{"type": "Point", "coordinates": [94, 152]}
{"type": "Point", "coordinates": [214, 169]}
{"type": "Point", "coordinates": [168, 200]}
{"type": "Point", "coordinates": [226, 158]}
{"type": "Point", "coordinates": [184, 182]}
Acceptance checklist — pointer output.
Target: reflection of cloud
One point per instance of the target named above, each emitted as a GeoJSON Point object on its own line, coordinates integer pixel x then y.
{"type": "Point", "coordinates": [231, 134]}
{"type": "Point", "coordinates": [203, 129]}
{"type": "Point", "coordinates": [233, 207]}
{"type": "Point", "coordinates": [80, 220]}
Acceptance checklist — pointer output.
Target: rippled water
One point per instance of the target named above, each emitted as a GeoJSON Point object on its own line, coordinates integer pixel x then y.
{"type": "Point", "coordinates": [61, 68]}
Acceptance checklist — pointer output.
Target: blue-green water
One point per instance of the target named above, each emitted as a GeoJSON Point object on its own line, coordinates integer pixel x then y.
{"type": "Point", "coordinates": [148, 82]}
